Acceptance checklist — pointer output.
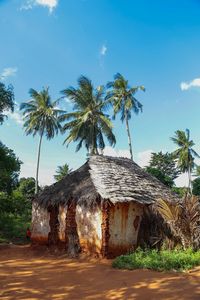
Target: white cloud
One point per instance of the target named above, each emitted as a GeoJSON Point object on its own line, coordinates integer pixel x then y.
{"type": "Point", "coordinates": [109, 151]}
{"type": "Point", "coordinates": [50, 4]}
{"type": "Point", "coordinates": [182, 180]}
{"type": "Point", "coordinates": [27, 5]}
{"type": "Point", "coordinates": [187, 85]}
{"type": "Point", "coordinates": [103, 50]}
{"type": "Point", "coordinates": [15, 116]}
{"type": "Point", "coordinates": [28, 169]}
{"type": "Point", "coordinates": [68, 101]}
{"type": "Point", "coordinates": [143, 158]}
{"type": "Point", "coordinates": [7, 72]}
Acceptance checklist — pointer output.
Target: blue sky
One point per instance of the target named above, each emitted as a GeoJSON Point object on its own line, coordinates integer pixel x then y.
{"type": "Point", "coordinates": [153, 43]}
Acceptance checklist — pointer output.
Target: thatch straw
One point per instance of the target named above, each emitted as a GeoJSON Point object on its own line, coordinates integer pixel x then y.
{"type": "Point", "coordinates": [113, 178]}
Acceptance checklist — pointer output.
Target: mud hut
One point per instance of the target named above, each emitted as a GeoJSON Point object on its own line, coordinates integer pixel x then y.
{"type": "Point", "coordinates": [97, 208]}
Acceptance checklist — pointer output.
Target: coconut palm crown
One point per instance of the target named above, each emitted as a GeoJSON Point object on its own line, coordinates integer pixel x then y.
{"type": "Point", "coordinates": [62, 171]}
{"type": "Point", "coordinates": [185, 153]}
{"type": "Point", "coordinates": [87, 124]}
{"type": "Point", "coordinates": [124, 101]}
{"type": "Point", "coordinates": [41, 116]}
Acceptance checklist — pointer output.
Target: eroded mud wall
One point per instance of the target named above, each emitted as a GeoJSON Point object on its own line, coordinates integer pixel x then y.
{"type": "Point", "coordinates": [71, 233]}
{"type": "Point", "coordinates": [124, 222]}
{"type": "Point", "coordinates": [40, 224]}
{"type": "Point", "coordinates": [89, 222]}
{"type": "Point", "coordinates": [105, 227]}
{"type": "Point", "coordinates": [53, 236]}
{"type": "Point", "coordinates": [62, 223]}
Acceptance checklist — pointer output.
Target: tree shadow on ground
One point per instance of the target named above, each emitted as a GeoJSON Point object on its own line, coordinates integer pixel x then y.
{"type": "Point", "coordinates": [26, 274]}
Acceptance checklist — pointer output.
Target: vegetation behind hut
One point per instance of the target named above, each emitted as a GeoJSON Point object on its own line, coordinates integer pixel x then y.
{"type": "Point", "coordinates": [169, 224]}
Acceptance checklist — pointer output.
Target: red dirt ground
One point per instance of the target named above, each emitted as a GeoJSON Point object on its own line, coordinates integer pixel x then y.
{"type": "Point", "coordinates": [30, 275]}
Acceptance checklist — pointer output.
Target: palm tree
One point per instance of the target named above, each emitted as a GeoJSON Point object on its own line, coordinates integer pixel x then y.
{"type": "Point", "coordinates": [197, 171]}
{"type": "Point", "coordinates": [124, 101]}
{"type": "Point", "coordinates": [185, 153]}
{"type": "Point", "coordinates": [62, 171]}
{"type": "Point", "coordinates": [88, 123]}
{"type": "Point", "coordinates": [41, 116]}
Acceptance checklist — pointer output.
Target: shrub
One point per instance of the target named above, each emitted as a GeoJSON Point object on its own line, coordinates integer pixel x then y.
{"type": "Point", "coordinates": [183, 220]}
{"type": "Point", "coordinates": [196, 187]}
{"type": "Point", "coordinates": [164, 260]}
{"type": "Point", "coordinates": [15, 217]}
{"type": "Point", "coordinates": [13, 228]}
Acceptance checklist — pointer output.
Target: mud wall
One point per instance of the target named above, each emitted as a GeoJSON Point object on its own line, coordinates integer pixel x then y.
{"type": "Point", "coordinates": [105, 227]}
{"type": "Point", "coordinates": [53, 238]}
{"type": "Point", "coordinates": [40, 224]}
{"type": "Point", "coordinates": [124, 223]}
{"type": "Point", "coordinates": [62, 222]}
{"type": "Point", "coordinates": [89, 228]}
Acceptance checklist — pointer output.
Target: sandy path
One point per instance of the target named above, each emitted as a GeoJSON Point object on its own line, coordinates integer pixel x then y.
{"type": "Point", "coordinates": [25, 274]}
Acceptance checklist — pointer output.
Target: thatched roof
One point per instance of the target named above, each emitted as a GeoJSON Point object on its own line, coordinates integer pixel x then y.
{"type": "Point", "coordinates": [104, 177]}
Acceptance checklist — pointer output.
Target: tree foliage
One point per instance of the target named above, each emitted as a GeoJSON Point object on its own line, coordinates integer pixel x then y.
{"type": "Point", "coordinates": [88, 124]}
{"type": "Point", "coordinates": [165, 179]}
{"type": "Point", "coordinates": [165, 162]}
{"type": "Point", "coordinates": [9, 169]}
{"type": "Point", "coordinates": [180, 191]}
{"type": "Point", "coordinates": [196, 186]}
{"type": "Point", "coordinates": [6, 100]}
{"type": "Point", "coordinates": [62, 171]}
{"type": "Point", "coordinates": [27, 187]}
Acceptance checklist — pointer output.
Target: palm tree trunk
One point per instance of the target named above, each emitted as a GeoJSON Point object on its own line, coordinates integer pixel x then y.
{"type": "Point", "coordinates": [190, 181]}
{"type": "Point", "coordinates": [129, 136]}
{"type": "Point", "coordinates": [38, 162]}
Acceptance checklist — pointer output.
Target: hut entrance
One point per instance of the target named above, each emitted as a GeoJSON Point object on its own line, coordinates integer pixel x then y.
{"type": "Point", "coordinates": [71, 234]}
{"type": "Point", "coordinates": [54, 225]}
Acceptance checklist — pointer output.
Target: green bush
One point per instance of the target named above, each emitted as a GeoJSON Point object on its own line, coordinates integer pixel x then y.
{"type": "Point", "coordinates": [16, 203]}
{"type": "Point", "coordinates": [196, 187]}
{"type": "Point", "coordinates": [166, 180]}
{"type": "Point", "coordinates": [9, 169]}
{"type": "Point", "coordinates": [15, 217]}
{"type": "Point", "coordinates": [13, 228]}
{"type": "Point", "coordinates": [165, 260]}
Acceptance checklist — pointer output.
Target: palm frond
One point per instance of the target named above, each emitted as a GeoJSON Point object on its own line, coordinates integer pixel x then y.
{"type": "Point", "coordinates": [41, 115]}
{"type": "Point", "coordinates": [84, 125]}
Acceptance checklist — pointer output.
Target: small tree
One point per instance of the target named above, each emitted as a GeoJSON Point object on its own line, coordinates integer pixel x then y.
{"type": "Point", "coordinates": [185, 153]}
{"type": "Point", "coordinates": [62, 171]}
{"type": "Point", "coordinates": [183, 220]}
{"type": "Point", "coordinates": [166, 163]}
